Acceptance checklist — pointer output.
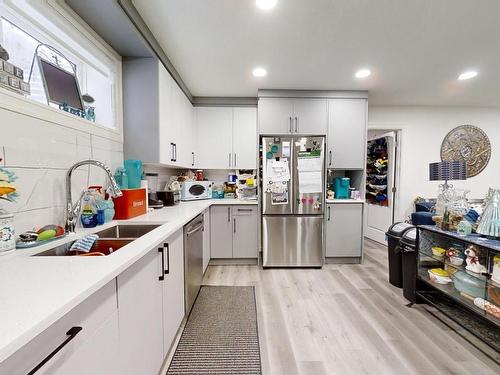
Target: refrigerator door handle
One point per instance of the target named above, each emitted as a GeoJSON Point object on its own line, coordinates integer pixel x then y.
{"type": "Point", "coordinates": [296, 124]}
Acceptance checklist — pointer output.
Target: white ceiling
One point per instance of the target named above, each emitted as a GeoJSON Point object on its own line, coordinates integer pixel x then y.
{"type": "Point", "coordinates": [415, 48]}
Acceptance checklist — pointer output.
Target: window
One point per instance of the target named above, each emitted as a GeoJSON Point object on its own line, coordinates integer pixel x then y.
{"type": "Point", "coordinates": [25, 25]}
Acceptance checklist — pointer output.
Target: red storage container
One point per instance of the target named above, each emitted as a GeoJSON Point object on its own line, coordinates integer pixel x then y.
{"type": "Point", "coordinates": [131, 204]}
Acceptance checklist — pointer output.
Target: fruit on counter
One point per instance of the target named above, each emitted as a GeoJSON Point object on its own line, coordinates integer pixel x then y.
{"type": "Point", "coordinates": [46, 235]}
{"type": "Point", "coordinates": [438, 251]}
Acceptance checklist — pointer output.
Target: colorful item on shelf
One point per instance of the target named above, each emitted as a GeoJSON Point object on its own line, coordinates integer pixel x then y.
{"type": "Point", "coordinates": [468, 284]}
{"type": "Point", "coordinates": [472, 260]}
{"type": "Point", "coordinates": [341, 187]}
{"type": "Point", "coordinates": [495, 275]}
{"type": "Point", "coordinates": [439, 276]}
{"type": "Point", "coordinates": [489, 307]}
{"type": "Point", "coordinates": [489, 222]}
{"type": "Point", "coordinates": [438, 251]}
{"type": "Point", "coordinates": [464, 228]}
{"type": "Point", "coordinates": [377, 169]}
{"type": "Point", "coordinates": [134, 173]}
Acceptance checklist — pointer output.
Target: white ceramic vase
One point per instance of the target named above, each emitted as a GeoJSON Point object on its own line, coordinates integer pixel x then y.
{"type": "Point", "coordinates": [7, 235]}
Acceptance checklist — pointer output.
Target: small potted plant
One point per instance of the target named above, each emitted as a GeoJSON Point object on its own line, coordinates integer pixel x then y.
{"type": "Point", "coordinates": [8, 193]}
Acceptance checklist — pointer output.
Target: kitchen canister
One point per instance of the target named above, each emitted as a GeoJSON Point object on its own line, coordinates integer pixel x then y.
{"type": "Point", "coordinates": [7, 234]}
{"type": "Point", "coordinates": [134, 173]}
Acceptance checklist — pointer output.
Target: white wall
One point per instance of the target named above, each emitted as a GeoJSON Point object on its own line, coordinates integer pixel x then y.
{"type": "Point", "coordinates": [423, 130]}
{"type": "Point", "coordinates": [40, 152]}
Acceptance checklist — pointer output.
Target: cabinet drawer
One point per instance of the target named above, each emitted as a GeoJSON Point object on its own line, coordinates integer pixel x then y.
{"type": "Point", "coordinates": [92, 314]}
{"type": "Point", "coordinates": [244, 210]}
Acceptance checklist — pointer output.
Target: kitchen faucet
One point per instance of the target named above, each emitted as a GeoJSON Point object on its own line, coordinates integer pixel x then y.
{"type": "Point", "coordinates": [73, 210]}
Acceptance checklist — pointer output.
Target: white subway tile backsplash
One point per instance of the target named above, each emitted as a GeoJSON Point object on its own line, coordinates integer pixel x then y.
{"type": "Point", "coordinates": [40, 153]}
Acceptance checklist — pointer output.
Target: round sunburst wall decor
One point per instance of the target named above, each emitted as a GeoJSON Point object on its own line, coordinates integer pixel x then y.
{"type": "Point", "coordinates": [467, 143]}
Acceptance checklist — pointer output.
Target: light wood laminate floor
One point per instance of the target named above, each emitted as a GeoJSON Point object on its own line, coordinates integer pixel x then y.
{"type": "Point", "coordinates": [348, 319]}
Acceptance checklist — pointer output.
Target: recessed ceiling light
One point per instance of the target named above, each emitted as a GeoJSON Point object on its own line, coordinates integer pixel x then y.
{"type": "Point", "coordinates": [266, 4]}
{"type": "Point", "coordinates": [467, 75]}
{"type": "Point", "coordinates": [363, 73]}
{"type": "Point", "coordinates": [259, 72]}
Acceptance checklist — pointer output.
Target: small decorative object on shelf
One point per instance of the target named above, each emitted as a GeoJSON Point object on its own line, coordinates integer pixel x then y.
{"type": "Point", "coordinates": [89, 110]}
{"type": "Point", "coordinates": [11, 76]}
{"type": "Point", "coordinates": [489, 222]}
{"type": "Point", "coordinates": [464, 228]}
{"type": "Point", "coordinates": [4, 55]}
{"type": "Point", "coordinates": [472, 260]}
{"type": "Point", "coordinates": [8, 192]}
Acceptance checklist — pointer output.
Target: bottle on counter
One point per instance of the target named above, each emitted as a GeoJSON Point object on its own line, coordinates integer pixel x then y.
{"type": "Point", "coordinates": [88, 215]}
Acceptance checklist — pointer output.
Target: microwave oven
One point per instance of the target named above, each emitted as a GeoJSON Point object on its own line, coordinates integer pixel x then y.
{"type": "Point", "coordinates": [194, 190]}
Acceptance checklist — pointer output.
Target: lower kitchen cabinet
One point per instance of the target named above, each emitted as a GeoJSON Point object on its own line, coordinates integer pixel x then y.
{"type": "Point", "coordinates": [206, 239]}
{"type": "Point", "coordinates": [221, 232]}
{"type": "Point", "coordinates": [173, 289]}
{"type": "Point", "coordinates": [344, 230]}
{"type": "Point", "coordinates": [93, 350]}
{"type": "Point", "coordinates": [234, 232]}
{"type": "Point", "coordinates": [140, 293]}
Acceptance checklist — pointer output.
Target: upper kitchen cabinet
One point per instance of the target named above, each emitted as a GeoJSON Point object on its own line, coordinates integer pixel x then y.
{"type": "Point", "coordinates": [158, 117]}
{"type": "Point", "coordinates": [308, 116]}
{"type": "Point", "coordinates": [226, 137]}
{"type": "Point", "coordinates": [347, 123]}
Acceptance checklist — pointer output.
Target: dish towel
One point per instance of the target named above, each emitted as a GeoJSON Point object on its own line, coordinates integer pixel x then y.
{"type": "Point", "coordinates": [84, 243]}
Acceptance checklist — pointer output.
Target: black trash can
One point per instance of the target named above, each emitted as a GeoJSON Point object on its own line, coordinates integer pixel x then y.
{"type": "Point", "coordinates": [408, 245]}
{"type": "Point", "coordinates": [394, 234]}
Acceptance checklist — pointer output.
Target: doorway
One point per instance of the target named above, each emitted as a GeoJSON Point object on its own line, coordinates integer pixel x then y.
{"type": "Point", "coordinates": [382, 181]}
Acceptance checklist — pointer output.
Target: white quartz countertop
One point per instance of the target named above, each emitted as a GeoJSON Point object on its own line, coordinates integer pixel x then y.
{"type": "Point", "coordinates": [37, 291]}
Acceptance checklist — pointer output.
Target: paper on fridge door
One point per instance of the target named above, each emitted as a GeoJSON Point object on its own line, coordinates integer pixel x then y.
{"type": "Point", "coordinates": [309, 164]}
{"type": "Point", "coordinates": [310, 182]}
{"type": "Point", "coordinates": [278, 170]}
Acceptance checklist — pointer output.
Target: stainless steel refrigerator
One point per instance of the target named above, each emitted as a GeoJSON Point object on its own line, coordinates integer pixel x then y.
{"type": "Point", "coordinates": [292, 200]}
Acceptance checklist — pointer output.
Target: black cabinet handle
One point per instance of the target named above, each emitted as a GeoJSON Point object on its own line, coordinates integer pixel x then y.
{"type": "Point", "coordinates": [175, 151]}
{"type": "Point", "coordinates": [161, 277]}
{"type": "Point", "coordinates": [328, 213]}
{"type": "Point", "coordinates": [172, 151]}
{"type": "Point", "coordinates": [167, 270]}
{"type": "Point", "coordinates": [228, 214]}
{"type": "Point", "coordinates": [73, 331]}
{"type": "Point", "coordinates": [234, 221]}
{"type": "Point", "coordinates": [192, 164]}
{"type": "Point", "coordinates": [244, 210]}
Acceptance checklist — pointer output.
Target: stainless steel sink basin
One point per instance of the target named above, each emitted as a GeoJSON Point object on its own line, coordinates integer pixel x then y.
{"type": "Point", "coordinates": [101, 247]}
{"type": "Point", "coordinates": [126, 231]}
{"type": "Point", "coordinates": [110, 240]}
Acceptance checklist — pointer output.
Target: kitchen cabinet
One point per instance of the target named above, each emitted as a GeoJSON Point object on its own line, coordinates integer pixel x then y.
{"type": "Point", "coordinates": [344, 230]}
{"type": "Point", "coordinates": [157, 116]}
{"type": "Point", "coordinates": [221, 232]}
{"type": "Point", "coordinates": [93, 350]}
{"type": "Point", "coordinates": [173, 288]}
{"type": "Point", "coordinates": [347, 123]}
{"type": "Point", "coordinates": [140, 293]}
{"type": "Point", "coordinates": [234, 232]}
{"type": "Point", "coordinates": [245, 141]}
{"type": "Point", "coordinates": [214, 137]}
{"type": "Point", "coordinates": [206, 239]}
{"type": "Point", "coordinates": [245, 232]}
{"type": "Point", "coordinates": [293, 116]}
{"type": "Point", "coordinates": [226, 138]}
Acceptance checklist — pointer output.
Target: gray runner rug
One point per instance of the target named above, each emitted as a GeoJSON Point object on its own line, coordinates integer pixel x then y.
{"type": "Point", "coordinates": [220, 336]}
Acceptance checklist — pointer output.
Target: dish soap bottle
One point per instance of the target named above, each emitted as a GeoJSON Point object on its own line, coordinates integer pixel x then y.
{"type": "Point", "coordinates": [88, 216]}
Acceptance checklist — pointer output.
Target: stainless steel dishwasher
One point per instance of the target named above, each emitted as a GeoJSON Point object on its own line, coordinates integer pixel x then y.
{"type": "Point", "coordinates": [193, 260]}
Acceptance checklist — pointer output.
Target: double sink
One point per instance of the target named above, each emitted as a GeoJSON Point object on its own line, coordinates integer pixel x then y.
{"type": "Point", "coordinates": [110, 240]}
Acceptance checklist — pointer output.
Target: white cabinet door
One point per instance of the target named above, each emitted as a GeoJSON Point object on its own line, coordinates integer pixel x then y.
{"type": "Point", "coordinates": [347, 133]}
{"type": "Point", "coordinates": [245, 232]}
{"type": "Point", "coordinates": [214, 137]}
{"type": "Point", "coordinates": [221, 232]}
{"type": "Point", "coordinates": [173, 288]}
{"type": "Point", "coordinates": [206, 239]}
{"type": "Point", "coordinates": [167, 126]}
{"type": "Point", "coordinates": [245, 138]}
{"type": "Point", "coordinates": [93, 349]}
{"type": "Point", "coordinates": [140, 316]}
{"type": "Point", "coordinates": [310, 116]}
{"type": "Point", "coordinates": [275, 116]}
{"type": "Point", "coordinates": [185, 139]}
{"type": "Point", "coordinates": [344, 229]}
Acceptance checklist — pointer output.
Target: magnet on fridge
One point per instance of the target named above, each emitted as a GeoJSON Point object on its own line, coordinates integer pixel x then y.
{"type": "Point", "coordinates": [274, 149]}
{"type": "Point", "coordinates": [304, 200]}
{"type": "Point", "coordinates": [269, 155]}
{"type": "Point", "coordinates": [311, 200]}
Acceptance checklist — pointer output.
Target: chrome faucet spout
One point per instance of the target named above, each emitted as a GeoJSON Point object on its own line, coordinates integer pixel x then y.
{"type": "Point", "coordinates": [73, 210]}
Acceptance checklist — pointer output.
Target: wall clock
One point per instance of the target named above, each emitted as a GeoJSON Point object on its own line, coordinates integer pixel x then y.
{"type": "Point", "coordinates": [467, 143]}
